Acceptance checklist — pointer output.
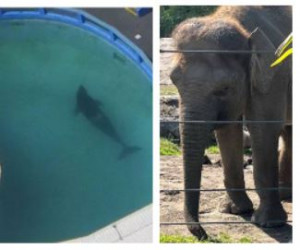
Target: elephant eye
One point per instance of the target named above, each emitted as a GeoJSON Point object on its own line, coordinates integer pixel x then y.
{"type": "Point", "coordinates": [221, 92]}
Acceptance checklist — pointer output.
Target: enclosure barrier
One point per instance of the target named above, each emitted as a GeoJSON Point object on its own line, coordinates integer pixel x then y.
{"type": "Point", "coordinates": [228, 122]}
{"type": "Point", "coordinates": [83, 20]}
{"type": "Point", "coordinates": [244, 122]}
{"type": "Point", "coordinates": [213, 222]}
{"type": "Point", "coordinates": [219, 51]}
{"type": "Point", "coordinates": [225, 189]}
{"type": "Point", "coordinates": [222, 189]}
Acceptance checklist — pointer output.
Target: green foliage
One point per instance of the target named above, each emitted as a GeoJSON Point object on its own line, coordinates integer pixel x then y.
{"type": "Point", "coordinates": [214, 149]}
{"type": "Point", "coordinates": [164, 238]}
{"type": "Point", "coordinates": [168, 90]}
{"type": "Point", "coordinates": [224, 238]}
{"type": "Point", "coordinates": [248, 151]}
{"type": "Point", "coordinates": [170, 16]}
{"type": "Point", "coordinates": [221, 238]}
{"type": "Point", "coordinates": [245, 240]}
{"type": "Point", "coordinates": [168, 148]}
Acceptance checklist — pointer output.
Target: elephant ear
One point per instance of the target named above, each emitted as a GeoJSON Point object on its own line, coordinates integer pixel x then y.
{"type": "Point", "coordinates": [261, 74]}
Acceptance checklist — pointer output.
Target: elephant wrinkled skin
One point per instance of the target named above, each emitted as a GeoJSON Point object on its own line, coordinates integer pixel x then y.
{"type": "Point", "coordinates": [227, 87]}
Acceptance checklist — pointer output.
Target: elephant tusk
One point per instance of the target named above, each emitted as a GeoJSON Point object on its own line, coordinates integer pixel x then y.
{"type": "Point", "coordinates": [283, 57]}
{"type": "Point", "coordinates": [281, 52]}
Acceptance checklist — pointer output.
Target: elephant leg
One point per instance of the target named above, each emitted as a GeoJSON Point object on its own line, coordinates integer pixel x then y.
{"type": "Point", "coordinates": [285, 164]}
{"type": "Point", "coordinates": [230, 140]}
{"type": "Point", "coordinates": [270, 212]}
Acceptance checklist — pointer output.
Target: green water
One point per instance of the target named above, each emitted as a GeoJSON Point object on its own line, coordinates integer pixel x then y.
{"type": "Point", "coordinates": [61, 176]}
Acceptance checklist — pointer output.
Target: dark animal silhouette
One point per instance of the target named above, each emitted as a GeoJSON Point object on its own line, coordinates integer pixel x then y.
{"type": "Point", "coordinates": [90, 108]}
{"type": "Point", "coordinates": [219, 87]}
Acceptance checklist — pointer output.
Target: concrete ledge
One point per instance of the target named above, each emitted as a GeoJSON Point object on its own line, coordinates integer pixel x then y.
{"type": "Point", "coordinates": [136, 227]}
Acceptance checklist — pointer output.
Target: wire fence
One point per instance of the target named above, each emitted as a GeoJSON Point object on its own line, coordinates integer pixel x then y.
{"type": "Point", "coordinates": [176, 190]}
{"type": "Point", "coordinates": [226, 189]}
{"type": "Point", "coordinates": [228, 122]}
{"type": "Point", "coordinates": [238, 222]}
{"type": "Point", "coordinates": [173, 191]}
{"type": "Point", "coordinates": [244, 122]}
{"type": "Point", "coordinates": [210, 51]}
{"type": "Point", "coordinates": [217, 222]}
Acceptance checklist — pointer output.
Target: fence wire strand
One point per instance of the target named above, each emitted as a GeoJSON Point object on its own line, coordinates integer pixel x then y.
{"type": "Point", "coordinates": [208, 51]}
{"type": "Point", "coordinates": [226, 122]}
{"type": "Point", "coordinates": [217, 222]}
{"type": "Point", "coordinates": [226, 189]}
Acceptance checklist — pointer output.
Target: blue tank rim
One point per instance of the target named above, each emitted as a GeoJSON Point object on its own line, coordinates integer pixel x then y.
{"type": "Point", "coordinates": [82, 19]}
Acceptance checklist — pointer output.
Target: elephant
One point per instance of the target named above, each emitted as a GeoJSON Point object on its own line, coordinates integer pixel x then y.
{"type": "Point", "coordinates": [216, 87]}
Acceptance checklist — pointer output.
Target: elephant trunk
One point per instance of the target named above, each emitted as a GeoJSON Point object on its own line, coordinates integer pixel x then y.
{"type": "Point", "coordinates": [195, 137]}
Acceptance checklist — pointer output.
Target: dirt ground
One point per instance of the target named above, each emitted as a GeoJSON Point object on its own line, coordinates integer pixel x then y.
{"type": "Point", "coordinates": [171, 204]}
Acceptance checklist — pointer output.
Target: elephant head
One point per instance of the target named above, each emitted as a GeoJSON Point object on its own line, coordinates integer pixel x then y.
{"type": "Point", "coordinates": [214, 87]}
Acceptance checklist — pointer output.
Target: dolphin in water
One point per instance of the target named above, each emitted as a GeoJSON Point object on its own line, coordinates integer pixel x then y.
{"type": "Point", "coordinates": [90, 108]}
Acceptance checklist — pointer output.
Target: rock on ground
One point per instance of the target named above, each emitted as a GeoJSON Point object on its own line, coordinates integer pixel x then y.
{"type": "Point", "coordinates": [169, 113]}
{"type": "Point", "coordinates": [166, 60]}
